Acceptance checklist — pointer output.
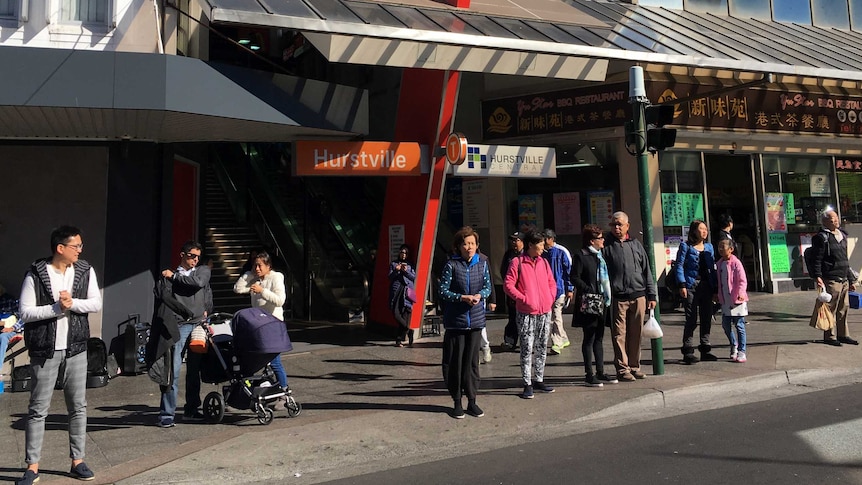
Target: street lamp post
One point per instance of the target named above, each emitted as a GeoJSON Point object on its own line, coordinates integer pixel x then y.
{"type": "Point", "coordinates": [638, 138]}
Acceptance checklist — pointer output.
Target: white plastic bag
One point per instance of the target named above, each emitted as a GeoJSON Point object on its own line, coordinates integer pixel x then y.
{"type": "Point", "coordinates": [824, 296]}
{"type": "Point", "coordinates": [651, 328]}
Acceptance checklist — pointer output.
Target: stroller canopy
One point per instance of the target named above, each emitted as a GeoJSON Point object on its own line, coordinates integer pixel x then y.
{"type": "Point", "coordinates": [256, 331]}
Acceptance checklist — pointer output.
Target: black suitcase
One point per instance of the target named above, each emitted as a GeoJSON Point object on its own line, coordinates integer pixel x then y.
{"type": "Point", "coordinates": [132, 355]}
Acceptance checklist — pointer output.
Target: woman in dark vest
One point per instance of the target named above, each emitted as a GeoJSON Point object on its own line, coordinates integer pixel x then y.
{"type": "Point", "coordinates": [464, 283]}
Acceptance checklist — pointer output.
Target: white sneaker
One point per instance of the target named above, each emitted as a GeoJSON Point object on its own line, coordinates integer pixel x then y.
{"type": "Point", "coordinates": [741, 358]}
{"type": "Point", "coordinates": [733, 353]}
{"type": "Point", "coordinates": [486, 355]}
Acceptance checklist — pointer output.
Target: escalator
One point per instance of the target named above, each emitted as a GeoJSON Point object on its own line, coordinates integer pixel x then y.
{"type": "Point", "coordinates": [326, 227]}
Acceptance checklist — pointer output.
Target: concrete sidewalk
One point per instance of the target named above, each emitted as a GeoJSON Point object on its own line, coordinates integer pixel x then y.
{"type": "Point", "coordinates": [369, 406]}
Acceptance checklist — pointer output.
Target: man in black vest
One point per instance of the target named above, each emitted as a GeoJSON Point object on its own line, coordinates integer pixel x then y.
{"type": "Point", "coordinates": [57, 295]}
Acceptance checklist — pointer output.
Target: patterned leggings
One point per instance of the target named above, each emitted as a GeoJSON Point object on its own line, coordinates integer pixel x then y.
{"type": "Point", "coordinates": [533, 331]}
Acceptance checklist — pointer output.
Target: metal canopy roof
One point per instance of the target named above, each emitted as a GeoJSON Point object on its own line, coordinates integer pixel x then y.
{"type": "Point", "coordinates": [369, 32]}
{"type": "Point", "coordinates": [64, 94]}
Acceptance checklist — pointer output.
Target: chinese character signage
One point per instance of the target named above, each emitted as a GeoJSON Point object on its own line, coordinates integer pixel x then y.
{"type": "Point", "coordinates": [761, 109]}
{"type": "Point", "coordinates": [557, 112]}
{"type": "Point", "coordinates": [681, 209]}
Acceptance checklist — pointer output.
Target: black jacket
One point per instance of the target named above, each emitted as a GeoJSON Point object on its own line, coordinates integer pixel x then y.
{"type": "Point", "coordinates": [628, 268]}
{"type": "Point", "coordinates": [165, 332]}
{"type": "Point", "coordinates": [585, 268]}
{"type": "Point", "coordinates": [830, 263]}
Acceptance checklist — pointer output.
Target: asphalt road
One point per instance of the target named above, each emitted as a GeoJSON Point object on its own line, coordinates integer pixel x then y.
{"type": "Point", "coordinates": [813, 438]}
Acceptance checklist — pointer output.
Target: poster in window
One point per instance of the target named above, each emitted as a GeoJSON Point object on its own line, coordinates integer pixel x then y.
{"type": "Point", "coordinates": [820, 185]}
{"type": "Point", "coordinates": [601, 207]}
{"type": "Point", "coordinates": [779, 257]}
{"type": "Point", "coordinates": [396, 239]}
{"type": "Point", "coordinates": [567, 213]}
{"type": "Point", "coordinates": [671, 248]}
{"type": "Point", "coordinates": [475, 203]}
{"type": "Point", "coordinates": [681, 209]}
{"type": "Point", "coordinates": [776, 214]}
{"type": "Point", "coordinates": [530, 211]}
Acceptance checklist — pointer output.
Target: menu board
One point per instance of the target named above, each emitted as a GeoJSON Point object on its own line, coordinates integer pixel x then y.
{"type": "Point", "coordinates": [567, 213]}
{"type": "Point", "coordinates": [779, 257]}
{"type": "Point", "coordinates": [681, 209]}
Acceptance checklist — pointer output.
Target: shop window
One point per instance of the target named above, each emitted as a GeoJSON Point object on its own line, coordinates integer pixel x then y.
{"type": "Point", "coordinates": [85, 11]}
{"type": "Point", "coordinates": [681, 184]}
{"type": "Point", "coordinates": [798, 190]}
{"type": "Point", "coordinates": [850, 195]}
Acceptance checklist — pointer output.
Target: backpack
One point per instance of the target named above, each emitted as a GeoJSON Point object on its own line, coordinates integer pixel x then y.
{"type": "Point", "coordinates": [808, 254]}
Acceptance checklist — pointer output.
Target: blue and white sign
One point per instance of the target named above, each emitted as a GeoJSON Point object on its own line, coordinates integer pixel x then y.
{"type": "Point", "coordinates": [508, 161]}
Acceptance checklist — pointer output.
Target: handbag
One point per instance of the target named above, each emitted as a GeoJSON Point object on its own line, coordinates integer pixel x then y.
{"type": "Point", "coordinates": [822, 318]}
{"type": "Point", "coordinates": [592, 304]}
{"type": "Point", "coordinates": [411, 294]}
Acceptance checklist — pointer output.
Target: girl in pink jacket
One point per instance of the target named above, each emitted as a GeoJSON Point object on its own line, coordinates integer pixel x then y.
{"type": "Point", "coordinates": [531, 284]}
{"type": "Point", "coordinates": [733, 297]}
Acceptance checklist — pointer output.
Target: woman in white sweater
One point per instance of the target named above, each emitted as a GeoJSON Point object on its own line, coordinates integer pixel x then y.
{"type": "Point", "coordinates": [267, 291]}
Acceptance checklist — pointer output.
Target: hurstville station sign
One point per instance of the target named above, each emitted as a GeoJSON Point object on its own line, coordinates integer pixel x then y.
{"type": "Point", "coordinates": [357, 158]}
{"type": "Point", "coordinates": [507, 161]}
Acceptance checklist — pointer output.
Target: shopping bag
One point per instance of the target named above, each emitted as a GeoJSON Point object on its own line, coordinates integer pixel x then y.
{"type": "Point", "coordinates": [651, 328]}
{"type": "Point", "coordinates": [822, 318]}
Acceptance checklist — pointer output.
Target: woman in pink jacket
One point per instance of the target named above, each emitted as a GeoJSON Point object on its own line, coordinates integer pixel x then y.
{"type": "Point", "coordinates": [531, 284]}
{"type": "Point", "coordinates": [733, 297]}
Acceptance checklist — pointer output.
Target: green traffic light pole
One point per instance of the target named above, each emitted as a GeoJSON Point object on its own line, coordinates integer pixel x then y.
{"type": "Point", "coordinates": [639, 101]}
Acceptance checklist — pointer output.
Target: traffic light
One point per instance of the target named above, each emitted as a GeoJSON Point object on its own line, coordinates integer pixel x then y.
{"type": "Point", "coordinates": [657, 116]}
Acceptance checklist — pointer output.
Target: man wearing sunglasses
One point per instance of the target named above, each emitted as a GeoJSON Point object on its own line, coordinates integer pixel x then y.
{"type": "Point", "coordinates": [190, 287]}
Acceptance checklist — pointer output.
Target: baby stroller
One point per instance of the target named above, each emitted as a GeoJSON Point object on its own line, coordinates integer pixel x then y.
{"type": "Point", "coordinates": [239, 349]}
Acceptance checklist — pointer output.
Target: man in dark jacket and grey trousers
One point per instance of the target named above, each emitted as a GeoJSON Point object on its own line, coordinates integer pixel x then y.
{"type": "Point", "coordinates": [633, 290]}
{"type": "Point", "coordinates": [831, 270]}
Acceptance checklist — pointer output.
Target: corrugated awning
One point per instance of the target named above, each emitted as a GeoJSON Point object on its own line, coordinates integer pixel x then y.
{"type": "Point", "coordinates": [66, 94]}
{"type": "Point", "coordinates": [576, 43]}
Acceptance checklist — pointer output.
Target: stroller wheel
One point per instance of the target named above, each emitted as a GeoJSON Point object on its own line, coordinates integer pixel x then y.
{"type": "Point", "coordinates": [293, 407]}
{"type": "Point", "coordinates": [265, 415]}
{"type": "Point", "coordinates": [213, 407]}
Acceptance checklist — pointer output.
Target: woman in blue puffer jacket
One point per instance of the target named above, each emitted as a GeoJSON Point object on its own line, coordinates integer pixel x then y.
{"type": "Point", "coordinates": [698, 287]}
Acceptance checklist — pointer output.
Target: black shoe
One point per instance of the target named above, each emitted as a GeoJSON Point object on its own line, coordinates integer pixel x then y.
{"type": "Point", "coordinates": [607, 379]}
{"type": "Point", "coordinates": [457, 410]}
{"type": "Point", "coordinates": [832, 342]}
{"type": "Point", "coordinates": [708, 357]}
{"type": "Point", "coordinates": [195, 416]}
{"type": "Point", "coordinates": [30, 477]}
{"type": "Point", "coordinates": [82, 472]}
{"type": "Point", "coordinates": [541, 386]}
{"type": "Point", "coordinates": [474, 410]}
{"type": "Point", "coordinates": [848, 341]}
{"type": "Point", "coordinates": [593, 381]}
{"type": "Point", "coordinates": [690, 359]}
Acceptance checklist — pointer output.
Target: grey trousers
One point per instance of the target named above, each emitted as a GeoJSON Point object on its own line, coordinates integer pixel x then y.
{"type": "Point", "coordinates": [43, 377]}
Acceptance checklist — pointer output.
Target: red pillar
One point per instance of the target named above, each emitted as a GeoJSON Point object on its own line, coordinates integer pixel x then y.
{"type": "Point", "coordinates": [426, 108]}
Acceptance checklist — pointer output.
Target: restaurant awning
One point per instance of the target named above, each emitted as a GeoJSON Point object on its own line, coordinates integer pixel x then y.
{"type": "Point", "coordinates": [565, 39]}
{"type": "Point", "coordinates": [58, 94]}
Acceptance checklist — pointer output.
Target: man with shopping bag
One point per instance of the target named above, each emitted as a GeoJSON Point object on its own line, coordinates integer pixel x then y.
{"type": "Point", "coordinates": [831, 270]}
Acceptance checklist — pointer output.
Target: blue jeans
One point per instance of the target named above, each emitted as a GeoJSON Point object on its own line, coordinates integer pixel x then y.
{"type": "Point", "coordinates": [168, 404]}
{"type": "Point", "coordinates": [728, 322]}
{"type": "Point", "coordinates": [4, 344]}
{"type": "Point", "coordinates": [278, 368]}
